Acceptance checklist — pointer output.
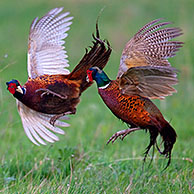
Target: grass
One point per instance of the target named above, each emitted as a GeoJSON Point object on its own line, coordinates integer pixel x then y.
{"type": "Point", "coordinates": [81, 162]}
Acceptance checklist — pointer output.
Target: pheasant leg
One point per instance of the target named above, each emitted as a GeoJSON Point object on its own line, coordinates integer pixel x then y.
{"type": "Point", "coordinates": [122, 134]}
{"type": "Point", "coordinates": [47, 92]}
{"type": "Point", "coordinates": [54, 118]}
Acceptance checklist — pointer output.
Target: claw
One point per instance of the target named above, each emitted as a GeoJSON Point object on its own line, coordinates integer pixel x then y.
{"type": "Point", "coordinates": [54, 118]}
{"type": "Point", "coordinates": [47, 91]}
{"type": "Point", "coordinates": [122, 134]}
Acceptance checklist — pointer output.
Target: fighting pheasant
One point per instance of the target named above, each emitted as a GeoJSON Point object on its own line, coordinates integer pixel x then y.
{"type": "Point", "coordinates": [51, 91]}
{"type": "Point", "coordinates": [144, 74]}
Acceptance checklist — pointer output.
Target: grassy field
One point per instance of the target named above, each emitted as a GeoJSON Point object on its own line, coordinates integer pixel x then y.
{"type": "Point", "coordinates": [81, 162]}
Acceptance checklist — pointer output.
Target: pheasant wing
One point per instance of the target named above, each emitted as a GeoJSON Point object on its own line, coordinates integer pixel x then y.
{"type": "Point", "coordinates": [150, 46]}
{"type": "Point", "coordinates": [37, 127]}
{"type": "Point", "coordinates": [151, 82]}
{"type": "Point", "coordinates": [46, 54]}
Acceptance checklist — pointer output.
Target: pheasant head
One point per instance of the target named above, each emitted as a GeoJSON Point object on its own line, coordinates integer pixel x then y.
{"type": "Point", "coordinates": [15, 88]}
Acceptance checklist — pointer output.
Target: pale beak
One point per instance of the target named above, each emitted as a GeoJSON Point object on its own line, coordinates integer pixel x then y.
{"type": "Point", "coordinates": [19, 89]}
{"type": "Point", "coordinates": [87, 79]}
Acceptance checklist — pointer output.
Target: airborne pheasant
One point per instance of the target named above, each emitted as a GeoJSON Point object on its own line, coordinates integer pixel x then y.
{"type": "Point", "coordinates": [51, 91]}
{"type": "Point", "coordinates": [144, 74]}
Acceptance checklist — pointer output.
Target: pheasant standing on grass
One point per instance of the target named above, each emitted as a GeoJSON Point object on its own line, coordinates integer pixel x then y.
{"type": "Point", "coordinates": [144, 74]}
{"type": "Point", "coordinates": [51, 91]}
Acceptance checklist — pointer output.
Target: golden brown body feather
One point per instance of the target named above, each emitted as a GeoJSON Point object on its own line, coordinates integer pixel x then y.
{"type": "Point", "coordinates": [58, 94]}
{"type": "Point", "coordinates": [69, 91]}
{"type": "Point", "coordinates": [144, 74]}
{"type": "Point", "coordinates": [139, 113]}
{"type": "Point", "coordinates": [52, 91]}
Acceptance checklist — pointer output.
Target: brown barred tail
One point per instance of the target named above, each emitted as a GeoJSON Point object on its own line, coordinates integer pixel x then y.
{"type": "Point", "coordinates": [97, 56]}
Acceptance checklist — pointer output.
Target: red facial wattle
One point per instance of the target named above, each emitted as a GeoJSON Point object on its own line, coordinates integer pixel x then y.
{"type": "Point", "coordinates": [89, 73]}
{"type": "Point", "coordinates": [12, 87]}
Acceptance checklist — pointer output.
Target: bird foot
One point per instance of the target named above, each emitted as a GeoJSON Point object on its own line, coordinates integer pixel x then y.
{"type": "Point", "coordinates": [54, 118]}
{"type": "Point", "coordinates": [47, 92]}
{"type": "Point", "coordinates": [122, 134]}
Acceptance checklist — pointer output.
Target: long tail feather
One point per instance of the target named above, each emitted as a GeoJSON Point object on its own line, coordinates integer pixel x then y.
{"type": "Point", "coordinates": [97, 56]}
{"type": "Point", "coordinates": [169, 137]}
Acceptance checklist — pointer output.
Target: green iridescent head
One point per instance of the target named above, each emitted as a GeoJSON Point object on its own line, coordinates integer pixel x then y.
{"type": "Point", "coordinates": [94, 73]}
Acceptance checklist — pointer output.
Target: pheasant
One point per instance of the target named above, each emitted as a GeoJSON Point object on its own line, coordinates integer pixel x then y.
{"type": "Point", "coordinates": [51, 91]}
{"type": "Point", "coordinates": [144, 74]}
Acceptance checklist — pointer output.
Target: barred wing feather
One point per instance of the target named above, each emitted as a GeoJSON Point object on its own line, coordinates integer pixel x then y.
{"type": "Point", "coordinates": [46, 54]}
{"type": "Point", "coordinates": [150, 82]}
{"type": "Point", "coordinates": [37, 127]}
{"type": "Point", "coordinates": [150, 46]}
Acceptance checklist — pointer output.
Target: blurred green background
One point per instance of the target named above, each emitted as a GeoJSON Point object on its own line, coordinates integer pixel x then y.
{"type": "Point", "coordinates": [81, 162]}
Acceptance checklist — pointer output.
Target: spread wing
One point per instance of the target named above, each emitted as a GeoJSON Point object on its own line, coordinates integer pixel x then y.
{"type": "Point", "coordinates": [151, 82]}
{"type": "Point", "coordinates": [150, 46]}
{"type": "Point", "coordinates": [144, 67]}
{"type": "Point", "coordinates": [37, 127]}
{"type": "Point", "coordinates": [46, 54]}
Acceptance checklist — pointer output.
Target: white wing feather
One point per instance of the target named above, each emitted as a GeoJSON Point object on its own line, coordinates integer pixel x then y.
{"type": "Point", "coordinates": [46, 54]}
{"type": "Point", "coordinates": [37, 127]}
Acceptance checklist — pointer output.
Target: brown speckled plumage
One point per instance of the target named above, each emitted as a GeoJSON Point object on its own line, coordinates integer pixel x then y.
{"type": "Point", "coordinates": [131, 109]}
{"type": "Point", "coordinates": [52, 91]}
{"type": "Point", "coordinates": [140, 113]}
{"type": "Point", "coordinates": [68, 87]}
{"type": "Point", "coordinates": [144, 74]}
{"type": "Point", "coordinates": [49, 103]}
